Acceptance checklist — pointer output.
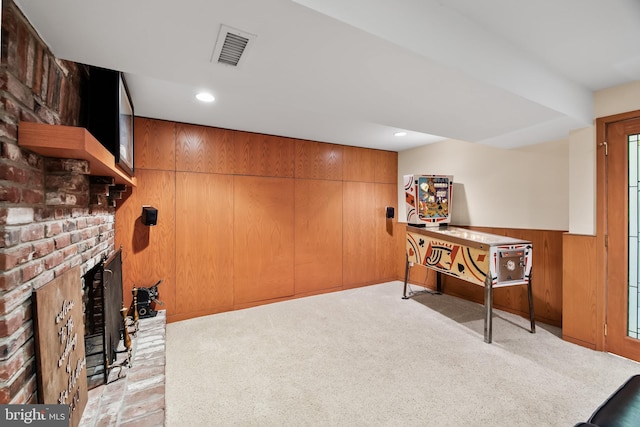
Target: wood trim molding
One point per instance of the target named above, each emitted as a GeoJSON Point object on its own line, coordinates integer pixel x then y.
{"type": "Point", "coordinates": [601, 223]}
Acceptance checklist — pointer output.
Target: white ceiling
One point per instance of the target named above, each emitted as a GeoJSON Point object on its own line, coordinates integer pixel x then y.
{"type": "Point", "coordinates": [500, 72]}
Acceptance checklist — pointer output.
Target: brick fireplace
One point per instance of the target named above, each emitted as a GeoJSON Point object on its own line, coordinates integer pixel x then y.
{"type": "Point", "coordinates": [53, 215]}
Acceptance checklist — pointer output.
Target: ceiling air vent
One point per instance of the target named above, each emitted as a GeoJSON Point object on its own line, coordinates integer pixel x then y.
{"type": "Point", "coordinates": [231, 46]}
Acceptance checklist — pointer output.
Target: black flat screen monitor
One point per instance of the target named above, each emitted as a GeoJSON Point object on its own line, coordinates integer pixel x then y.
{"type": "Point", "coordinates": [109, 114]}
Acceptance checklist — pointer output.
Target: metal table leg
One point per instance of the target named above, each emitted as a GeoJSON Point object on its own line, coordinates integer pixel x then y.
{"type": "Point", "coordinates": [425, 291]}
{"type": "Point", "coordinates": [406, 277]}
{"type": "Point", "coordinates": [531, 313]}
{"type": "Point", "coordinates": [488, 304]}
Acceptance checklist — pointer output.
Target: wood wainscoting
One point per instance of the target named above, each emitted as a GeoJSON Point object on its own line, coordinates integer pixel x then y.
{"type": "Point", "coordinates": [579, 291]}
{"type": "Point", "coordinates": [546, 276]}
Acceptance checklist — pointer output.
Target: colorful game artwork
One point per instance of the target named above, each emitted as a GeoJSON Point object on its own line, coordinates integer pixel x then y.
{"type": "Point", "coordinates": [428, 198]}
{"type": "Point", "coordinates": [433, 196]}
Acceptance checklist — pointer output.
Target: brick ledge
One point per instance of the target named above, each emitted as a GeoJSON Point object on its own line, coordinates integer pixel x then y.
{"type": "Point", "coordinates": [138, 397]}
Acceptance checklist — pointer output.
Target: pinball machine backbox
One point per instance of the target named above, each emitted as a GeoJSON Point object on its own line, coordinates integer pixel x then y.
{"type": "Point", "coordinates": [428, 199]}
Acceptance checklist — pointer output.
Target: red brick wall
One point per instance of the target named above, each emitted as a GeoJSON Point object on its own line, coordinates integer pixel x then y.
{"type": "Point", "coordinates": [47, 224]}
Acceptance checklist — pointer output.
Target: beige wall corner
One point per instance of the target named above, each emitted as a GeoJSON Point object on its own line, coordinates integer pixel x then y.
{"type": "Point", "coordinates": [582, 181]}
{"type": "Point", "coordinates": [617, 99]}
{"type": "Point", "coordinates": [525, 187]}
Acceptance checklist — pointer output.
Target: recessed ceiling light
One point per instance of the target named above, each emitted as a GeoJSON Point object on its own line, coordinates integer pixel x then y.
{"type": "Point", "coordinates": [400, 134]}
{"type": "Point", "coordinates": [205, 97]}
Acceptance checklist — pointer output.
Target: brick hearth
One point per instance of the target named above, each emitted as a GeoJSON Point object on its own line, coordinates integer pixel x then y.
{"type": "Point", "coordinates": [137, 398]}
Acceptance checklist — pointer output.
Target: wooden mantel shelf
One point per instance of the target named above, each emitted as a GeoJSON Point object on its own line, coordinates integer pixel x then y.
{"type": "Point", "coordinates": [69, 142]}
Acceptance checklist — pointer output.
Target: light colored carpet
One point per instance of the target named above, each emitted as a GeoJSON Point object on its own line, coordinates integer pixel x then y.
{"type": "Point", "coordinates": [365, 357]}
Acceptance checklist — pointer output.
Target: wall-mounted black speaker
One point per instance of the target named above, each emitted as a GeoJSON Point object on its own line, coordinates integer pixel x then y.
{"type": "Point", "coordinates": [149, 215]}
{"type": "Point", "coordinates": [390, 211]}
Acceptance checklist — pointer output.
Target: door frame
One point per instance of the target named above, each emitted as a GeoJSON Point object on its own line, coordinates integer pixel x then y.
{"type": "Point", "coordinates": [602, 220]}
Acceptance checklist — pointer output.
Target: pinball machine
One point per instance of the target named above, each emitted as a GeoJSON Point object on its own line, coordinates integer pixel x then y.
{"type": "Point", "coordinates": [483, 259]}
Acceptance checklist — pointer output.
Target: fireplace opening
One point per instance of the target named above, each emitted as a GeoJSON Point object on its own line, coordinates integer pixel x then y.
{"type": "Point", "coordinates": [103, 319]}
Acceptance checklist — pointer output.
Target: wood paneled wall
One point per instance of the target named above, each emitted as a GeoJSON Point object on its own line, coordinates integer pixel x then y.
{"type": "Point", "coordinates": [547, 276]}
{"type": "Point", "coordinates": [263, 239]}
{"type": "Point", "coordinates": [149, 252]}
{"type": "Point", "coordinates": [246, 218]}
{"type": "Point", "coordinates": [318, 234]}
{"type": "Point", "coordinates": [205, 229]}
{"type": "Point", "coordinates": [579, 312]}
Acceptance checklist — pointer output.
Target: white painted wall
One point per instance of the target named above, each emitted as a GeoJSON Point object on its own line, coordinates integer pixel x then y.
{"type": "Point", "coordinates": [548, 186]}
{"type": "Point", "coordinates": [617, 99]}
{"type": "Point", "coordinates": [525, 187]}
{"type": "Point", "coordinates": [582, 181]}
{"type": "Point", "coordinates": [582, 153]}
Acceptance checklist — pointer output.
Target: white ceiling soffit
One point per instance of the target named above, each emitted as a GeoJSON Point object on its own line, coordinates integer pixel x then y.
{"type": "Point", "coordinates": [300, 122]}
{"type": "Point", "coordinates": [498, 72]}
{"type": "Point", "coordinates": [420, 25]}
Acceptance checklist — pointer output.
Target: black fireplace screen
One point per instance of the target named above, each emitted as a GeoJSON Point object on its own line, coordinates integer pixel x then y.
{"type": "Point", "coordinates": [103, 319]}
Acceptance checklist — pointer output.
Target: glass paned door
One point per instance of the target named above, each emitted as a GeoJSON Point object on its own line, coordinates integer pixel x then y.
{"type": "Point", "coordinates": [633, 324]}
{"type": "Point", "coordinates": [619, 230]}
